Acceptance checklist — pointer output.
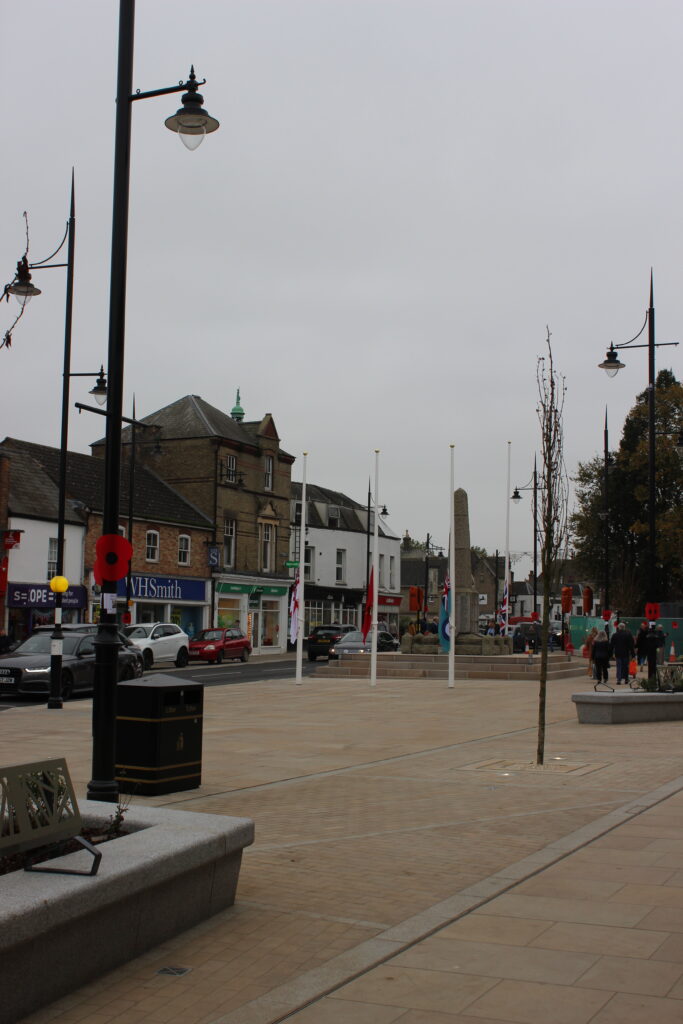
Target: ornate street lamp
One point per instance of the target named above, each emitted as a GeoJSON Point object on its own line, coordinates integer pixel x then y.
{"type": "Point", "coordinates": [190, 122]}
{"type": "Point", "coordinates": [611, 365]}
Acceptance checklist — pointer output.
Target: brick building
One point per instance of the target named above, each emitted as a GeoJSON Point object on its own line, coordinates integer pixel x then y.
{"type": "Point", "coordinates": [170, 580]}
{"type": "Point", "coordinates": [235, 472]}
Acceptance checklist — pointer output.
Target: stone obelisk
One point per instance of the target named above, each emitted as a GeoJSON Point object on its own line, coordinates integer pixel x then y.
{"type": "Point", "coordinates": [465, 597]}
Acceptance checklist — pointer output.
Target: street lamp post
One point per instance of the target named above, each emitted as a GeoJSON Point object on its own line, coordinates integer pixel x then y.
{"type": "Point", "coordinates": [191, 122]}
{"type": "Point", "coordinates": [611, 365]}
{"type": "Point", "coordinates": [532, 485]}
{"type": "Point", "coordinates": [24, 290]}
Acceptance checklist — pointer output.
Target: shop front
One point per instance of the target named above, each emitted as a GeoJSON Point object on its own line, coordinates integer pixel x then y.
{"type": "Point", "coordinates": [389, 607]}
{"type": "Point", "coordinates": [30, 605]}
{"type": "Point", "coordinates": [326, 606]}
{"type": "Point", "coordinates": [256, 607]}
{"type": "Point", "coordinates": [186, 602]}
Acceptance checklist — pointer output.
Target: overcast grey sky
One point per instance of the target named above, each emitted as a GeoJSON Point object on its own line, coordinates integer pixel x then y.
{"type": "Point", "coordinates": [402, 194]}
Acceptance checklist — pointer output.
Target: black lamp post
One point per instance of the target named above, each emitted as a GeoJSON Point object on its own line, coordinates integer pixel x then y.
{"type": "Point", "coordinates": [532, 485]}
{"type": "Point", "coordinates": [611, 365]}
{"type": "Point", "coordinates": [191, 122]}
{"type": "Point", "coordinates": [24, 290]}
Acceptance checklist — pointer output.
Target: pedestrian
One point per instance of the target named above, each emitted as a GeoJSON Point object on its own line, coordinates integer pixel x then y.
{"type": "Point", "coordinates": [600, 654]}
{"type": "Point", "coordinates": [622, 647]}
{"type": "Point", "coordinates": [653, 641]}
{"type": "Point", "coordinates": [661, 650]}
{"type": "Point", "coordinates": [641, 644]}
{"type": "Point", "coordinates": [434, 626]}
{"type": "Point", "coordinates": [590, 640]}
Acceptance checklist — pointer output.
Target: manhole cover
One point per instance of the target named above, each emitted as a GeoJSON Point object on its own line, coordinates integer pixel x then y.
{"type": "Point", "coordinates": [174, 971]}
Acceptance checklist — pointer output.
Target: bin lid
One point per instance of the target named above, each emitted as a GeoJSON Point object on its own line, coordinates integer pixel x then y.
{"type": "Point", "coordinates": [161, 681]}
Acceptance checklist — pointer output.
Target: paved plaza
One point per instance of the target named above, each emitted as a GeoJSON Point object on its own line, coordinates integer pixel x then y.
{"type": "Point", "coordinates": [411, 862]}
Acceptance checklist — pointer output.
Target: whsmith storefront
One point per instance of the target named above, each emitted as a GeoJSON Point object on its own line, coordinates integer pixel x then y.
{"type": "Point", "coordinates": [186, 602]}
{"type": "Point", "coordinates": [258, 608]}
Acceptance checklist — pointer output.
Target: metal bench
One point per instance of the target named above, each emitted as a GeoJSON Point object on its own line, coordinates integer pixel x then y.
{"type": "Point", "coordinates": [38, 808]}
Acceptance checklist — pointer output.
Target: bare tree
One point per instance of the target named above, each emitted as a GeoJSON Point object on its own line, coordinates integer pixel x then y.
{"type": "Point", "coordinates": [554, 507]}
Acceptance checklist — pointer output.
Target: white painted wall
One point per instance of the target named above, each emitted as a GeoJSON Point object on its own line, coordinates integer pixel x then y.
{"type": "Point", "coordinates": [28, 563]}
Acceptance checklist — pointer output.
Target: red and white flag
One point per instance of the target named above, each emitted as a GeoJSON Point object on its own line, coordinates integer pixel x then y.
{"type": "Point", "coordinates": [503, 614]}
{"type": "Point", "coordinates": [367, 618]}
{"type": "Point", "coordinates": [294, 610]}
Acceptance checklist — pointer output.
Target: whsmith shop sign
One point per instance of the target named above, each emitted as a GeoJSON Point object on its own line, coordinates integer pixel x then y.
{"type": "Point", "coordinates": [164, 588]}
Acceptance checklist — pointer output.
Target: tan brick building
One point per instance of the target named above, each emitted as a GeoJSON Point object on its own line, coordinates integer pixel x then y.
{"type": "Point", "coordinates": [236, 474]}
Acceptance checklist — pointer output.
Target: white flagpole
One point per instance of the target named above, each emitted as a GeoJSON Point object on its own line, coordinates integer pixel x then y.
{"type": "Point", "coordinates": [375, 580]}
{"type": "Point", "coordinates": [301, 610]}
{"type": "Point", "coordinates": [451, 572]}
{"type": "Point", "coordinates": [506, 584]}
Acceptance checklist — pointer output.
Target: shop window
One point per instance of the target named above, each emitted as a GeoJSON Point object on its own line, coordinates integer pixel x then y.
{"type": "Point", "coordinates": [152, 546]}
{"type": "Point", "coordinates": [229, 538]}
{"type": "Point", "coordinates": [268, 473]}
{"type": "Point", "coordinates": [183, 549]}
{"type": "Point", "coordinates": [52, 554]}
{"type": "Point", "coordinates": [270, 623]}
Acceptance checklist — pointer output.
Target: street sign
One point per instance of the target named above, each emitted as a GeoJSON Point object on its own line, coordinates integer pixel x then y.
{"type": "Point", "coordinates": [291, 565]}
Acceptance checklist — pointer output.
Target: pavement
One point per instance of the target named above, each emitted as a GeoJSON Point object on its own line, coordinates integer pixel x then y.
{"type": "Point", "coordinates": [412, 863]}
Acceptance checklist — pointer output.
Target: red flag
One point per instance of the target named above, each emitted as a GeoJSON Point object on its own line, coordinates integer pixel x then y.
{"type": "Point", "coordinates": [367, 618]}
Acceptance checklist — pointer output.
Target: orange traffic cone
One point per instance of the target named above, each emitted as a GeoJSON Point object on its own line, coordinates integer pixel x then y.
{"type": "Point", "coordinates": [672, 652]}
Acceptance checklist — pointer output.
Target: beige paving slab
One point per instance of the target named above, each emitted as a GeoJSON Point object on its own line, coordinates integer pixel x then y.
{"type": "Point", "coordinates": [638, 1009]}
{"type": "Point", "coordinates": [560, 885]}
{"type": "Point", "coordinates": [497, 961]}
{"type": "Point", "coordinates": [652, 895]}
{"type": "Point", "coordinates": [666, 919]}
{"type": "Point", "coordinates": [336, 1011]}
{"type": "Point", "coordinates": [592, 938]}
{"type": "Point", "coordinates": [512, 931]}
{"type": "Point", "coordinates": [578, 910]}
{"type": "Point", "coordinates": [628, 974]}
{"type": "Point", "coordinates": [430, 1017]}
{"type": "Point", "coordinates": [670, 950]}
{"type": "Point", "coordinates": [416, 989]}
{"type": "Point", "coordinates": [526, 1002]}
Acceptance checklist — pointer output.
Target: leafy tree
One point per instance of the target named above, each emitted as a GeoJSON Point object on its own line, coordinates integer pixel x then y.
{"type": "Point", "coordinates": [625, 531]}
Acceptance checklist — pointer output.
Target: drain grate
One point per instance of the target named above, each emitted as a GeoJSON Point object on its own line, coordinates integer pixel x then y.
{"type": "Point", "coordinates": [555, 766]}
{"type": "Point", "coordinates": [175, 972]}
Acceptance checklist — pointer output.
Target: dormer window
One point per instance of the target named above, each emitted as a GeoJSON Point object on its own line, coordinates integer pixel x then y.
{"type": "Point", "coordinates": [333, 516]}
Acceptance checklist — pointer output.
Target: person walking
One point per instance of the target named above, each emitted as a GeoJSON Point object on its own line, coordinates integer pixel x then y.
{"type": "Point", "coordinates": [590, 640]}
{"type": "Point", "coordinates": [622, 647]}
{"type": "Point", "coordinates": [641, 644]}
{"type": "Point", "coordinates": [600, 652]}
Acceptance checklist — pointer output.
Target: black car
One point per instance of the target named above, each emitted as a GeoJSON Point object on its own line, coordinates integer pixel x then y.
{"type": "Point", "coordinates": [322, 637]}
{"type": "Point", "coordinates": [91, 628]}
{"type": "Point", "coordinates": [26, 671]}
{"type": "Point", "coordinates": [353, 643]}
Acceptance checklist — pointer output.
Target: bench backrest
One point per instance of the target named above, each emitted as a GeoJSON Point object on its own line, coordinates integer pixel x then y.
{"type": "Point", "coordinates": [37, 805]}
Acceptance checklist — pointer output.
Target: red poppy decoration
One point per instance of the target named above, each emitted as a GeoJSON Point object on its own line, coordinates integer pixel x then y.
{"type": "Point", "coordinates": [652, 611]}
{"type": "Point", "coordinates": [113, 555]}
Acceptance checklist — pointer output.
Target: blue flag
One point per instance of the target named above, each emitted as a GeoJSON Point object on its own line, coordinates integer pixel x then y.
{"type": "Point", "coordinates": [444, 616]}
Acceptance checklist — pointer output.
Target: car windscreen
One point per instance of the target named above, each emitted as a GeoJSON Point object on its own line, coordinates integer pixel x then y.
{"type": "Point", "coordinates": [40, 643]}
{"type": "Point", "coordinates": [210, 634]}
{"type": "Point", "coordinates": [355, 637]}
{"type": "Point", "coordinates": [137, 632]}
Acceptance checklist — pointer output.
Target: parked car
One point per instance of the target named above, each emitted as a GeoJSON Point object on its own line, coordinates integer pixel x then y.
{"type": "Point", "coordinates": [215, 645]}
{"type": "Point", "coordinates": [353, 643]}
{"type": "Point", "coordinates": [322, 637]}
{"type": "Point", "coordinates": [26, 671]}
{"type": "Point", "coordinates": [91, 627]}
{"type": "Point", "coordinates": [160, 641]}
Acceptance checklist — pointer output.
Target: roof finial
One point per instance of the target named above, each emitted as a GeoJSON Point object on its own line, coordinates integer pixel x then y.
{"type": "Point", "coordinates": [237, 412]}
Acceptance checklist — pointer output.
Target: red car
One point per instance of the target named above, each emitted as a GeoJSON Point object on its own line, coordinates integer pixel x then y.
{"type": "Point", "coordinates": [216, 644]}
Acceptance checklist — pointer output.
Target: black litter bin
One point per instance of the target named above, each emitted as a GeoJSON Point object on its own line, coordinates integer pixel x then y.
{"type": "Point", "coordinates": [158, 735]}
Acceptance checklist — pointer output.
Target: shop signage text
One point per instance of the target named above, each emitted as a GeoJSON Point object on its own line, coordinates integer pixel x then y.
{"type": "Point", "coordinates": [39, 595]}
{"type": "Point", "coordinates": [163, 588]}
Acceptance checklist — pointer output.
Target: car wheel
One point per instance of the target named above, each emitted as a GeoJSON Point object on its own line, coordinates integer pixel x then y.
{"type": "Point", "coordinates": [139, 667]}
{"type": "Point", "coordinates": [127, 672]}
{"type": "Point", "coordinates": [148, 659]}
{"type": "Point", "coordinates": [182, 658]}
{"type": "Point", "coordinates": [219, 658]}
{"type": "Point", "coordinates": [245, 654]}
{"type": "Point", "coordinates": [67, 686]}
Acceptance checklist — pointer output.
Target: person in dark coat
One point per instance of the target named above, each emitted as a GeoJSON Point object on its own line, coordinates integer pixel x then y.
{"type": "Point", "coordinates": [601, 656]}
{"type": "Point", "coordinates": [641, 644]}
{"type": "Point", "coordinates": [622, 648]}
{"type": "Point", "coordinates": [653, 641]}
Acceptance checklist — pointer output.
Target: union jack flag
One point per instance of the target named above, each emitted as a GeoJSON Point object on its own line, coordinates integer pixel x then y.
{"type": "Point", "coordinates": [503, 613]}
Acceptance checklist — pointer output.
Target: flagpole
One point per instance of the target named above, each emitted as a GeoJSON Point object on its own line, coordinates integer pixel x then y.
{"type": "Point", "coordinates": [300, 573]}
{"type": "Point", "coordinates": [375, 580]}
{"type": "Point", "coordinates": [451, 573]}
{"type": "Point", "coordinates": [506, 584]}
